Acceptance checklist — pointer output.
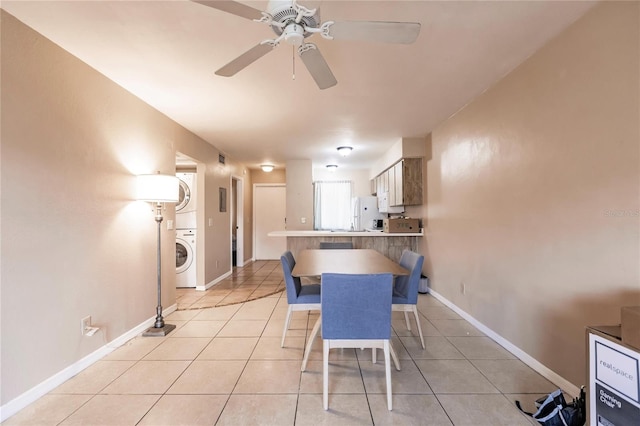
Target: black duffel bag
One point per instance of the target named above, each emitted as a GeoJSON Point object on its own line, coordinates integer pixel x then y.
{"type": "Point", "coordinates": [553, 410]}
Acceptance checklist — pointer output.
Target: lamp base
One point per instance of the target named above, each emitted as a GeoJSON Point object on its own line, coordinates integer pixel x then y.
{"type": "Point", "coordinates": [159, 331]}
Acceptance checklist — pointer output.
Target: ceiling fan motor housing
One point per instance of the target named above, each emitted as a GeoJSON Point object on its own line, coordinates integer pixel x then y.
{"type": "Point", "coordinates": [284, 12]}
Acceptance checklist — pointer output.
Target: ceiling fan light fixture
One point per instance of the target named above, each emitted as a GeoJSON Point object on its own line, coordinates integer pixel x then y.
{"type": "Point", "coordinates": [332, 167]}
{"type": "Point", "coordinates": [294, 34]}
{"type": "Point", "coordinates": [267, 168]}
{"type": "Point", "coordinates": [344, 150]}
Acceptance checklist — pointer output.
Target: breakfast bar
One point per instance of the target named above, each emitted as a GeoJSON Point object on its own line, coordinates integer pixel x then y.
{"type": "Point", "coordinates": [388, 244]}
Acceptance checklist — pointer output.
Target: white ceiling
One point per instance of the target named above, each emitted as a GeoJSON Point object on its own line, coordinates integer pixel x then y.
{"type": "Point", "coordinates": [166, 52]}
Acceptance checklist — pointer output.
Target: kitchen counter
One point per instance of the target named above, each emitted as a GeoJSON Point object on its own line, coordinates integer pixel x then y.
{"type": "Point", "coordinates": [389, 244]}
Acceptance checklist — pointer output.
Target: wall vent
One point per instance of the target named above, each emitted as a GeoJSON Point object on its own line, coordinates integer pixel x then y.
{"type": "Point", "coordinates": [220, 158]}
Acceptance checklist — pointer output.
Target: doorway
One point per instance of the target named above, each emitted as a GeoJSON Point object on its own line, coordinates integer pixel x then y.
{"type": "Point", "coordinates": [269, 214]}
{"type": "Point", "coordinates": [237, 222]}
{"type": "Point", "coordinates": [186, 223]}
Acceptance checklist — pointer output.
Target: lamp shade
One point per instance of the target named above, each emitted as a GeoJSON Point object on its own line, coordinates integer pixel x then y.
{"type": "Point", "coordinates": [159, 188]}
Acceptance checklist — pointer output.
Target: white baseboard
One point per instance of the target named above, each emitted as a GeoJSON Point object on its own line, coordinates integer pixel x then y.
{"type": "Point", "coordinates": [214, 282]}
{"type": "Point", "coordinates": [240, 263]}
{"type": "Point", "coordinates": [550, 375]}
{"type": "Point", "coordinates": [30, 396]}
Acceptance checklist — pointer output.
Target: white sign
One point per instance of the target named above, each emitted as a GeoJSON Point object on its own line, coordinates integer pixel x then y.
{"type": "Point", "coordinates": [614, 385]}
{"type": "Point", "coordinates": [616, 369]}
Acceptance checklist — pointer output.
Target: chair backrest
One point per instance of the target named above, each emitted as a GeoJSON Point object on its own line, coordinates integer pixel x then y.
{"type": "Point", "coordinates": [356, 306]}
{"type": "Point", "coordinates": [292, 284]}
{"type": "Point", "coordinates": [336, 245]}
{"type": "Point", "coordinates": [407, 285]}
{"type": "Point", "coordinates": [290, 259]}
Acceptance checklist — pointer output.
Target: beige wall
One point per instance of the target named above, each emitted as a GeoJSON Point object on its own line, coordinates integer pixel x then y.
{"type": "Point", "coordinates": [74, 241]}
{"type": "Point", "coordinates": [533, 193]}
{"type": "Point", "coordinates": [275, 176]}
{"type": "Point", "coordinates": [299, 195]}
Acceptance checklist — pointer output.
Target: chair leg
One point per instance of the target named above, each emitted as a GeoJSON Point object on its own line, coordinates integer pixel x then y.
{"type": "Point", "coordinates": [312, 337]}
{"type": "Point", "coordinates": [394, 356]}
{"type": "Point", "coordinates": [415, 313]}
{"type": "Point", "coordinates": [406, 319]}
{"type": "Point", "coordinates": [387, 369]}
{"type": "Point", "coordinates": [286, 325]}
{"type": "Point", "coordinates": [325, 374]}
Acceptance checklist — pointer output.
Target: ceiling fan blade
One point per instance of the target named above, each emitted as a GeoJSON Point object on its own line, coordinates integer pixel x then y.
{"type": "Point", "coordinates": [234, 8]}
{"type": "Point", "coordinates": [244, 60]}
{"type": "Point", "coordinates": [382, 32]}
{"type": "Point", "coordinates": [317, 66]}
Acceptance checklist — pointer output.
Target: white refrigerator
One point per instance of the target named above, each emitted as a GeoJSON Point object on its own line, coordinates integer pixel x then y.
{"type": "Point", "coordinates": [365, 210]}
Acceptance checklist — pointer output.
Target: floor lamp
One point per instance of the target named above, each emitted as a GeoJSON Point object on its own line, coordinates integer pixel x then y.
{"type": "Point", "coordinates": [158, 189]}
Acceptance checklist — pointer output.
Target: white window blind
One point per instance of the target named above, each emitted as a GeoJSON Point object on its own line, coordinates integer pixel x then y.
{"type": "Point", "coordinates": [332, 205]}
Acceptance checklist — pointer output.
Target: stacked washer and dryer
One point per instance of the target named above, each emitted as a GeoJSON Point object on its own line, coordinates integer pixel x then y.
{"type": "Point", "coordinates": [186, 231]}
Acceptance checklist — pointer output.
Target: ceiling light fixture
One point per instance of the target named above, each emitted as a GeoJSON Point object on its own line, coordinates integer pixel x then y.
{"type": "Point", "coordinates": [267, 168]}
{"type": "Point", "coordinates": [332, 167]}
{"type": "Point", "coordinates": [344, 150]}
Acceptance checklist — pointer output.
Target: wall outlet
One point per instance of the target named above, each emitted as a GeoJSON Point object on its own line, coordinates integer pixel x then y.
{"type": "Point", "coordinates": [303, 220]}
{"type": "Point", "coordinates": [210, 221]}
{"type": "Point", "coordinates": [169, 225]}
{"type": "Point", "coordinates": [85, 324]}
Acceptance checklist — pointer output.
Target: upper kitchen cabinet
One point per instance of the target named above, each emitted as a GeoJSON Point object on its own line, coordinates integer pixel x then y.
{"type": "Point", "coordinates": [405, 182]}
{"type": "Point", "coordinates": [380, 184]}
{"type": "Point", "coordinates": [400, 185]}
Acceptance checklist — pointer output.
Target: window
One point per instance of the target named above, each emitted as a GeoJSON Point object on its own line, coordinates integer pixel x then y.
{"type": "Point", "coordinates": [332, 205]}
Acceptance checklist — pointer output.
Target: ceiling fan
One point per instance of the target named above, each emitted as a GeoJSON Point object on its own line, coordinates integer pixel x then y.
{"type": "Point", "coordinates": [293, 23]}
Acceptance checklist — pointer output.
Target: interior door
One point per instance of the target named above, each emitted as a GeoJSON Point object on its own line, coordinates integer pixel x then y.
{"type": "Point", "coordinates": [270, 208]}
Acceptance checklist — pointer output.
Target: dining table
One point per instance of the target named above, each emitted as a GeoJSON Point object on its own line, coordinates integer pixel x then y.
{"type": "Point", "coordinates": [313, 263]}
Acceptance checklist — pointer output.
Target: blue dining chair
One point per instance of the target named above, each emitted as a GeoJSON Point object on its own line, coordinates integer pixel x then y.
{"type": "Point", "coordinates": [405, 289]}
{"type": "Point", "coordinates": [356, 313]}
{"type": "Point", "coordinates": [299, 297]}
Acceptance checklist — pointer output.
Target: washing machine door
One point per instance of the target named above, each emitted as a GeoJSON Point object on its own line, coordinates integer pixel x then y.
{"type": "Point", "coordinates": [184, 255]}
{"type": "Point", "coordinates": [185, 195]}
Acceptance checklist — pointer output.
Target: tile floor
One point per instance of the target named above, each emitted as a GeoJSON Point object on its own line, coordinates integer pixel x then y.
{"type": "Point", "coordinates": [224, 366]}
{"type": "Point", "coordinates": [253, 281]}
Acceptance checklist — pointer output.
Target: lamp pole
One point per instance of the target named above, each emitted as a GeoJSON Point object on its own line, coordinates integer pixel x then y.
{"type": "Point", "coordinates": [159, 328]}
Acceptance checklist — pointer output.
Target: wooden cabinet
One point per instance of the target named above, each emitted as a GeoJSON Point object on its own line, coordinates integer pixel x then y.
{"type": "Point", "coordinates": [398, 195]}
{"type": "Point", "coordinates": [400, 185]}
{"type": "Point", "coordinates": [405, 182]}
{"type": "Point", "coordinates": [391, 179]}
{"type": "Point", "coordinates": [382, 185]}
{"type": "Point", "coordinates": [379, 185]}
{"type": "Point", "coordinates": [412, 181]}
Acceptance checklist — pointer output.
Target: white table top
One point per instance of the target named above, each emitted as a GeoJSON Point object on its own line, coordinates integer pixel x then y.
{"type": "Point", "coordinates": [310, 263]}
{"type": "Point", "coordinates": [343, 234]}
